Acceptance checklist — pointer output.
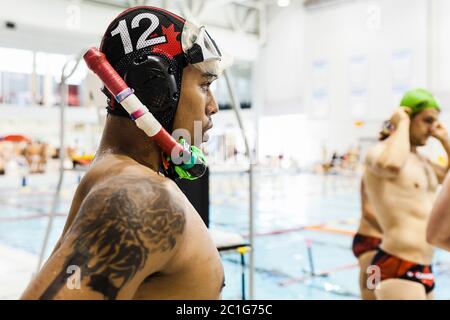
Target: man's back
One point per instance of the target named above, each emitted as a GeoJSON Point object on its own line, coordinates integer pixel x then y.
{"type": "Point", "coordinates": [133, 234]}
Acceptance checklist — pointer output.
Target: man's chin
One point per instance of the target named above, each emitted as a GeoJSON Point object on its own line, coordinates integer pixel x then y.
{"type": "Point", "coordinates": [422, 143]}
{"type": "Point", "coordinates": [419, 143]}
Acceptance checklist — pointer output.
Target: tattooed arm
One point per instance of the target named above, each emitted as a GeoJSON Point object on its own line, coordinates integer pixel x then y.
{"type": "Point", "coordinates": [124, 231]}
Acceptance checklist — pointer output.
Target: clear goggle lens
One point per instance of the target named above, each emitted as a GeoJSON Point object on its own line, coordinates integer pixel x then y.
{"type": "Point", "coordinates": [202, 51]}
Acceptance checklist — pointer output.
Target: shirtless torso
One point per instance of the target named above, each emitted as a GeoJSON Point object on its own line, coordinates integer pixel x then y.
{"type": "Point", "coordinates": [403, 204]}
{"type": "Point", "coordinates": [135, 236]}
{"type": "Point", "coordinates": [401, 186]}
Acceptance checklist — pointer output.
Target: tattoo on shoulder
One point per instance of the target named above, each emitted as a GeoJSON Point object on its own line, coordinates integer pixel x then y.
{"type": "Point", "coordinates": [117, 230]}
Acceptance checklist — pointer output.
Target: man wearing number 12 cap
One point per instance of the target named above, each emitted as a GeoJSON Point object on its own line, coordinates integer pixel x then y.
{"type": "Point", "coordinates": [131, 233]}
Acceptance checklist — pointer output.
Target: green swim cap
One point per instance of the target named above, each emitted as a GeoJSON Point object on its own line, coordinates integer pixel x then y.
{"type": "Point", "coordinates": [418, 100]}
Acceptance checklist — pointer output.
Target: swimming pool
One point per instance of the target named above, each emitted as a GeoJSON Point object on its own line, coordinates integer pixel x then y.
{"type": "Point", "coordinates": [286, 203]}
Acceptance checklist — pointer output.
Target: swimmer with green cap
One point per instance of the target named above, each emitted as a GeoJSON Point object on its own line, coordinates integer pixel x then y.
{"type": "Point", "coordinates": [401, 185]}
{"type": "Point", "coordinates": [413, 102]}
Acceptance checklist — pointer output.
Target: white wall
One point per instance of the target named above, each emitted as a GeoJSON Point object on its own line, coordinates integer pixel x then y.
{"type": "Point", "coordinates": [342, 33]}
{"type": "Point", "coordinates": [378, 47]}
{"type": "Point", "coordinates": [280, 64]}
{"type": "Point", "coordinates": [351, 62]}
{"type": "Point", "coordinates": [439, 47]}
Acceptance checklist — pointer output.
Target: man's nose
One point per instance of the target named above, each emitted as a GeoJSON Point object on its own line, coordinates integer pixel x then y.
{"type": "Point", "coordinates": [212, 107]}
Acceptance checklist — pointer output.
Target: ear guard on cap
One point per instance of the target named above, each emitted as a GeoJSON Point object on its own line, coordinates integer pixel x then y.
{"type": "Point", "coordinates": [153, 81]}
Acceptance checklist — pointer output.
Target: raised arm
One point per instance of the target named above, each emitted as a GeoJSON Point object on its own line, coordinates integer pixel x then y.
{"type": "Point", "coordinates": [388, 157]}
{"type": "Point", "coordinates": [124, 231]}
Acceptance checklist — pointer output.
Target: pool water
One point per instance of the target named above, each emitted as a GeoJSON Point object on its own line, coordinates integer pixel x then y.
{"type": "Point", "coordinates": [288, 252]}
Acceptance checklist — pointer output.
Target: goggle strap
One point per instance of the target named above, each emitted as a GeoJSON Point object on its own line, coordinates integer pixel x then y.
{"type": "Point", "coordinates": [195, 54]}
{"type": "Point", "coordinates": [199, 52]}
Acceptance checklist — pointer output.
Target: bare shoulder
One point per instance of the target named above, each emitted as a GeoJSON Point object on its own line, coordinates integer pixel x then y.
{"type": "Point", "coordinates": [144, 209]}
{"type": "Point", "coordinates": [373, 153]}
{"type": "Point", "coordinates": [377, 148]}
{"type": "Point", "coordinates": [126, 229]}
{"type": "Point", "coordinates": [424, 158]}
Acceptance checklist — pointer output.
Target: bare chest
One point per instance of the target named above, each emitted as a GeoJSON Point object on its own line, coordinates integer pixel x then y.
{"type": "Point", "coordinates": [417, 175]}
